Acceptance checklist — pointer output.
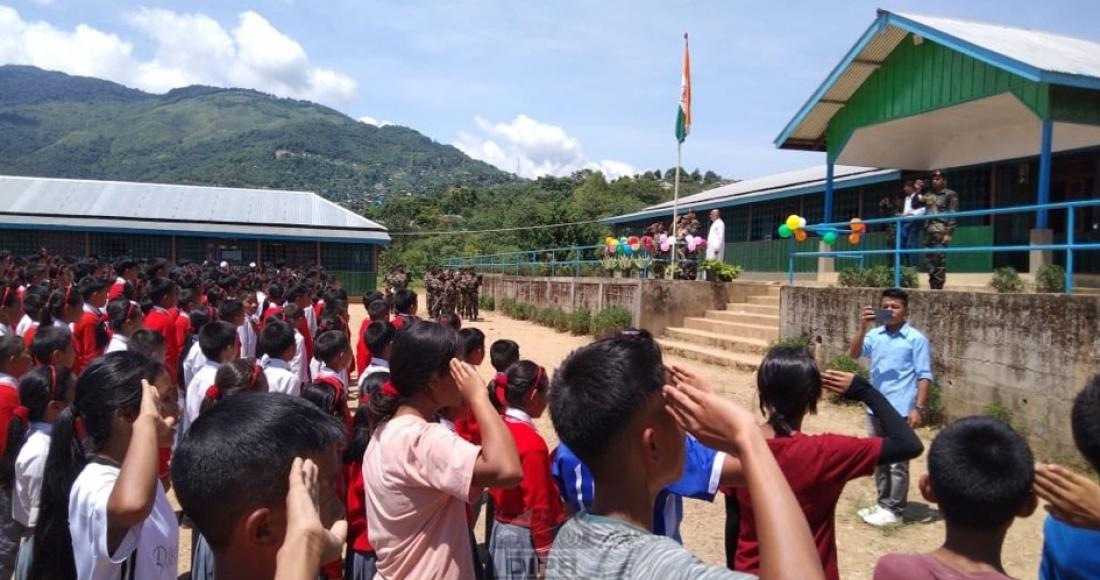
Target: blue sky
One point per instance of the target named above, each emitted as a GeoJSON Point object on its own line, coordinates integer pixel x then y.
{"type": "Point", "coordinates": [548, 87]}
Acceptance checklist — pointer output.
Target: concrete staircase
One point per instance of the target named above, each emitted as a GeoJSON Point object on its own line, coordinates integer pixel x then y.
{"type": "Point", "coordinates": [736, 337]}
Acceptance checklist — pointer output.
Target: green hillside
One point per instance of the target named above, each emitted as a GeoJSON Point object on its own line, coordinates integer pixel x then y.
{"type": "Point", "coordinates": [56, 125]}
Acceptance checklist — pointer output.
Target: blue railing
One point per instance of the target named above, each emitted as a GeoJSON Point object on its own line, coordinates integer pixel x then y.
{"type": "Point", "coordinates": [566, 259]}
{"type": "Point", "coordinates": [1069, 246]}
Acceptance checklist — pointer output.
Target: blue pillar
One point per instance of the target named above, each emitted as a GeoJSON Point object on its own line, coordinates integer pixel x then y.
{"type": "Point", "coordinates": [828, 192]}
{"type": "Point", "coordinates": [1042, 219]}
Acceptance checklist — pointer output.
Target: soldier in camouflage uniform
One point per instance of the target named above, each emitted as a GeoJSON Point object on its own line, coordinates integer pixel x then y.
{"type": "Point", "coordinates": [468, 283]}
{"type": "Point", "coordinates": [448, 296]}
{"type": "Point", "coordinates": [396, 280]}
{"type": "Point", "coordinates": [432, 285]}
{"type": "Point", "coordinates": [687, 227]}
{"type": "Point", "coordinates": [938, 232]}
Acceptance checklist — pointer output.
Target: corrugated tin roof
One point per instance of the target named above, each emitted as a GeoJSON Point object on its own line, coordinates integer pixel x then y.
{"type": "Point", "coordinates": [155, 207]}
{"type": "Point", "coordinates": [1038, 56]}
{"type": "Point", "coordinates": [798, 182]}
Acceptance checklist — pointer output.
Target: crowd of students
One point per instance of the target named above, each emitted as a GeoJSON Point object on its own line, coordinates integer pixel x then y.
{"type": "Point", "coordinates": [233, 388]}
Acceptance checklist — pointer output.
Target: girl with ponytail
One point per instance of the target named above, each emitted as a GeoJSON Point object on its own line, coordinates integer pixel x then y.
{"type": "Point", "coordinates": [422, 474]}
{"type": "Point", "coordinates": [125, 318]}
{"type": "Point", "coordinates": [816, 466]}
{"type": "Point", "coordinates": [45, 392]}
{"type": "Point", "coordinates": [15, 362]}
{"type": "Point", "coordinates": [103, 513]}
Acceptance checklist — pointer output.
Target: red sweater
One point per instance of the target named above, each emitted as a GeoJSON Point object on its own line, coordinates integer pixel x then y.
{"type": "Point", "coordinates": [182, 328]}
{"type": "Point", "coordinates": [362, 351]}
{"type": "Point", "coordinates": [28, 335]}
{"type": "Point", "coordinates": [9, 400]}
{"type": "Point", "coordinates": [160, 321]}
{"type": "Point", "coordinates": [303, 328]}
{"type": "Point", "coordinates": [358, 538]}
{"type": "Point", "coordinates": [117, 288]}
{"type": "Point", "coordinates": [84, 340]}
{"type": "Point", "coordinates": [535, 503]}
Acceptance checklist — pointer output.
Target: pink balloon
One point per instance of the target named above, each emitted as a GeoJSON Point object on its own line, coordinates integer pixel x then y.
{"type": "Point", "coordinates": [691, 245]}
{"type": "Point", "coordinates": [662, 238]}
{"type": "Point", "coordinates": [665, 246]}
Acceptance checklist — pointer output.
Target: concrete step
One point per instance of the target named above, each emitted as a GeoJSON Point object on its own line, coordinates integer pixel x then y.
{"type": "Point", "coordinates": [746, 308]}
{"type": "Point", "coordinates": [774, 291]}
{"type": "Point", "coordinates": [733, 328]}
{"type": "Point", "coordinates": [714, 356]}
{"type": "Point", "coordinates": [765, 300]}
{"type": "Point", "coordinates": [716, 340]}
{"type": "Point", "coordinates": [744, 318]}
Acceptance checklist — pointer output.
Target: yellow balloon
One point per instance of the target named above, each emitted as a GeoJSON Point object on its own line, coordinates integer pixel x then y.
{"type": "Point", "coordinates": [793, 222]}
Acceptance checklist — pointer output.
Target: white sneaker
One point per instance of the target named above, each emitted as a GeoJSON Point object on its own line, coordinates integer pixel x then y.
{"type": "Point", "coordinates": [863, 513]}
{"type": "Point", "coordinates": [881, 517]}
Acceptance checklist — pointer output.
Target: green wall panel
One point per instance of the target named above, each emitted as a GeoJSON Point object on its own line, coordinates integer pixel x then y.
{"type": "Point", "coordinates": [1074, 105]}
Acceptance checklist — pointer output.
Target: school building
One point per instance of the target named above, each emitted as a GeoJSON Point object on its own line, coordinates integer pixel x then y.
{"type": "Point", "coordinates": [1011, 115]}
{"type": "Point", "coordinates": [183, 222]}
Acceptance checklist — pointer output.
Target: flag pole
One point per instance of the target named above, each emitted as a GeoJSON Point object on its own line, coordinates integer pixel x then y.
{"type": "Point", "coordinates": [675, 206]}
{"type": "Point", "coordinates": [683, 126]}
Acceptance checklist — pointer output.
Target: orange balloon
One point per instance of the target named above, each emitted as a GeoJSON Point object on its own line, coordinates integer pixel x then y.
{"type": "Point", "coordinates": [800, 235]}
{"type": "Point", "coordinates": [853, 239]}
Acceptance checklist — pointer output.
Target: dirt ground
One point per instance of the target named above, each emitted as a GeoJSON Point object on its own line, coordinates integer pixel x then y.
{"type": "Point", "coordinates": [858, 544]}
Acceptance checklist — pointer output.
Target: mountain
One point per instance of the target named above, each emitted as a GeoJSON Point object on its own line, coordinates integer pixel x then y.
{"type": "Point", "coordinates": [56, 125]}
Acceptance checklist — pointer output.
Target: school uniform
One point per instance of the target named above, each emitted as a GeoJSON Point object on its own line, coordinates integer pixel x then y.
{"type": "Point", "coordinates": [402, 320]}
{"type": "Point", "coordinates": [28, 334]}
{"type": "Point", "coordinates": [24, 324]}
{"type": "Point", "coordinates": [360, 562]}
{"type": "Point", "coordinates": [118, 288]}
{"type": "Point", "coordinates": [182, 327]}
{"type": "Point", "coordinates": [528, 515]}
{"type": "Point", "coordinates": [85, 336]}
{"type": "Point", "coordinates": [149, 550]}
{"type": "Point", "coordinates": [362, 351]}
{"type": "Point", "coordinates": [307, 337]}
{"type": "Point", "coordinates": [280, 378]}
{"type": "Point", "coordinates": [299, 364]}
{"type": "Point", "coordinates": [196, 392]}
{"type": "Point", "coordinates": [9, 400]}
{"type": "Point", "coordinates": [119, 343]}
{"type": "Point", "coordinates": [246, 333]}
{"type": "Point", "coordinates": [6, 330]}
{"type": "Point", "coordinates": [338, 380]}
{"type": "Point", "coordinates": [192, 363]}
{"type": "Point", "coordinates": [377, 365]}
{"type": "Point", "coordinates": [11, 531]}
{"type": "Point", "coordinates": [311, 314]}
{"type": "Point", "coordinates": [27, 490]}
{"type": "Point", "coordinates": [160, 320]}
{"type": "Point", "coordinates": [319, 369]}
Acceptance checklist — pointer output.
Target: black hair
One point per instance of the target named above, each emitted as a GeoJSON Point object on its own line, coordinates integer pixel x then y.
{"type": "Point", "coordinates": [37, 389]}
{"type": "Point", "coordinates": [153, 266]}
{"type": "Point", "coordinates": [276, 337]}
{"type": "Point", "coordinates": [237, 456]}
{"type": "Point", "coordinates": [89, 285]}
{"type": "Point", "coordinates": [897, 294]}
{"type": "Point", "coordinates": [328, 395]}
{"type": "Point", "coordinates": [330, 344]}
{"type": "Point", "coordinates": [243, 375]}
{"type": "Point", "coordinates": [334, 307]}
{"type": "Point", "coordinates": [377, 335]}
{"type": "Point", "coordinates": [9, 295]}
{"type": "Point", "coordinates": [981, 471]}
{"type": "Point", "coordinates": [404, 300]}
{"type": "Point", "coordinates": [85, 268]}
{"type": "Point", "coordinates": [516, 383]}
{"type": "Point", "coordinates": [158, 289]}
{"type": "Point", "coordinates": [59, 300]}
{"type": "Point", "coordinates": [34, 271]}
{"type": "Point", "coordinates": [600, 388]}
{"type": "Point", "coordinates": [109, 384]}
{"type": "Point", "coordinates": [274, 294]}
{"type": "Point", "coordinates": [296, 292]}
{"type": "Point", "coordinates": [48, 340]}
{"type": "Point", "coordinates": [421, 352]}
{"type": "Point", "coordinates": [120, 311]}
{"type": "Point", "coordinates": [503, 353]}
{"type": "Point", "coordinates": [291, 312]}
{"type": "Point", "coordinates": [186, 299]}
{"type": "Point", "coordinates": [451, 320]}
{"type": "Point", "coordinates": [372, 383]}
{"type": "Point", "coordinates": [330, 322]}
{"type": "Point", "coordinates": [378, 310]}
{"type": "Point", "coordinates": [146, 342]}
{"type": "Point", "coordinates": [199, 317]}
{"type": "Point", "coordinates": [470, 339]}
{"type": "Point", "coordinates": [215, 337]}
{"type": "Point", "coordinates": [789, 385]}
{"type": "Point", "coordinates": [123, 264]}
{"type": "Point", "coordinates": [360, 435]}
{"type": "Point", "coordinates": [1085, 419]}
{"type": "Point", "coordinates": [34, 299]}
{"type": "Point", "coordinates": [230, 309]}
{"type": "Point", "coordinates": [371, 297]}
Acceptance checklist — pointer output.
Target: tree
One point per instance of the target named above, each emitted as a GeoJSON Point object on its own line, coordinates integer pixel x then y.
{"type": "Point", "coordinates": [711, 177]}
{"type": "Point", "coordinates": [696, 176]}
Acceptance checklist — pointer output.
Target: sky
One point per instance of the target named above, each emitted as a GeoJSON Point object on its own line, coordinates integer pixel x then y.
{"type": "Point", "coordinates": [535, 87]}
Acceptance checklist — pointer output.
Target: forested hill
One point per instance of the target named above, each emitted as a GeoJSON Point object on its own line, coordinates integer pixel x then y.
{"type": "Point", "coordinates": [56, 125]}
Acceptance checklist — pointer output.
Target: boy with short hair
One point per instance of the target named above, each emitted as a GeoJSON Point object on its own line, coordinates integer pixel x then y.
{"type": "Point", "coordinates": [147, 342]}
{"type": "Point", "coordinates": [53, 345]}
{"type": "Point", "coordinates": [610, 403]}
{"type": "Point", "coordinates": [90, 334]}
{"type": "Point", "coordinates": [405, 303]}
{"type": "Point", "coordinates": [249, 330]}
{"type": "Point", "coordinates": [333, 354]}
{"type": "Point", "coordinates": [277, 344]}
{"type": "Point", "coordinates": [980, 472]}
{"type": "Point", "coordinates": [218, 341]}
{"type": "Point", "coordinates": [230, 475]}
{"type": "Point", "coordinates": [1071, 533]}
{"type": "Point", "coordinates": [377, 309]}
{"type": "Point", "coordinates": [503, 353]}
{"type": "Point", "coordinates": [379, 340]}
{"type": "Point", "coordinates": [163, 293]}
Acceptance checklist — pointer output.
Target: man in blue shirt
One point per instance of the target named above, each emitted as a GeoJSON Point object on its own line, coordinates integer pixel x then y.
{"type": "Point", "coordinates": [901, 369]}
{"type": "Point", "coordinates": [704, 470]}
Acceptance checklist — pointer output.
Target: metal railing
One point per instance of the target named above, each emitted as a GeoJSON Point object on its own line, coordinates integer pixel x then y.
{"type": "Point", "coordinates": [566, 259]}
{"type": "Point", "coordinates": [1069, 246]}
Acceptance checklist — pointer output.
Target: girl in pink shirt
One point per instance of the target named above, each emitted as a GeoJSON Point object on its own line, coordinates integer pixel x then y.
{"type": "Point", "coordinates": [418, 474]}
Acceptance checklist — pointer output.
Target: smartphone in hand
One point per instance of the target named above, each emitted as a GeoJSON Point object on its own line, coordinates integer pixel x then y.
{"type": "Point", "coordinates": [883, 315]}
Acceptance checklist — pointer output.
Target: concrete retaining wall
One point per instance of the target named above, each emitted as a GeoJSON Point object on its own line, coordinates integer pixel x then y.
{"type": "Point", "coordinates": [1030, 353]}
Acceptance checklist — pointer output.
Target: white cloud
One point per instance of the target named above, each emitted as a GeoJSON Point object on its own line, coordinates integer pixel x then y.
{"type": "Point", "coordinates": [531, 148]}
{"type": "Point", "coordinates": [372, 121]}
{"type": "Point", "coordinates": [188, 49]}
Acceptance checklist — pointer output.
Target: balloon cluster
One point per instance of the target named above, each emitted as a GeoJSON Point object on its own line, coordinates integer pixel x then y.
{"type": "Point", "coordinates": [858, 228]}
{"type": "Point", "coordinates": [795, 226]}
{"type": "Point", "coordinates": [626, 246]}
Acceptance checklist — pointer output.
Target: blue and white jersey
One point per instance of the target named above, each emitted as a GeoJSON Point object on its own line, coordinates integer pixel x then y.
{"type": "Point", "coordinates": [702, 470]}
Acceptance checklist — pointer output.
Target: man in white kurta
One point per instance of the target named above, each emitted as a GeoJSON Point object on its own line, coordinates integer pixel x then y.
{"type": "Point", "coordinates": [716, 238]}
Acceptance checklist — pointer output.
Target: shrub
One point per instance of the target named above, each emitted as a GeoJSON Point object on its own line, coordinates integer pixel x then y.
{"type": "Point", "coordinates": [486, 303]}
{"type": "Point", "coordinates": [610, 321]}
{"type": "Point", "coordinates": [933, 414]}
{"type": "Point", "coordinates": [526, 311]}
{"type": "Point", "coordinates": [791, 342]}
{"type": "Point", "coordinates": [508, 306]}
{"type": "Point", "coordinates": [1050, 278]}
{"type": "Point", "coordinates": [1002, 413]}
{"type": "Point", "coordinates": [910, 277]}
{"type": "Point", "coordinates": [721, 271]}
{"type": "Point", "coordinates": [877, 277]}
{"type": "Point", "coordinates": [846, 364]}
{"type": "Point", "coordinates": [1006, 280]}
{"type": "Point", "coordinates": [560, 320]}
{"type": "Point", "coordinates": [580, 321]}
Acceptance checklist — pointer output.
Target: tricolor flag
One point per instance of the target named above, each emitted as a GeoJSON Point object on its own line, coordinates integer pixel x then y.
{"type": "Point", "coordinates": [683, 115]}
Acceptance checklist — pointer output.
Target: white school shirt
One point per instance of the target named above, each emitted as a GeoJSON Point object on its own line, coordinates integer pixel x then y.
{"type": "Point", "coordinates": [6, 330]}
{"type": "Point", "coordinates": [119, 342]}
{"type": "Point", "coordinates": [29, 467]}
{"type": "Point", "coordinates": [196, 391]}
{"type": "Point", "coordinates": [377, 365]}
{"type": "Point", "coordinates": [7, 380]}
{"type": "Point", "coordinates": [320, 369]}
{"type": "Point", "coordinates": [149, 550]}
{"type": "Point", "coordinates": [247, 336]}
{"type": "Point", "coordinates": [24, 324]}
{"type": "Point", "coordinates": [193, 362]}
{"type": "Point", "coordinates": [908, 210]}
{"type": "Point", "coordinates": [311, 320]}
{"type": "Point", "coordinates": [280, 379]}
{"type": "Point", "coordinates": [297, 364]}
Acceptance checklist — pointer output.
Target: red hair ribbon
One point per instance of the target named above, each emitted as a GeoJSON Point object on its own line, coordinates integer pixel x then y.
{"type": "Point", "coordinates": [78, 426]}
{"type": "Point", "coordinates": [213, 393]}
{"type": "Point", "coordinates": [502, 388]}
{"type": "Point", "coordinates": [538, 376]}
{"type": "Point", "coordinates": [389, 390]}
{"type": "Point", "coordinates": [23, 413]}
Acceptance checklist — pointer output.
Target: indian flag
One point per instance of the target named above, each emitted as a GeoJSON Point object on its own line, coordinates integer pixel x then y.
{"type": "Point", "coordinates": [683, 115]}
